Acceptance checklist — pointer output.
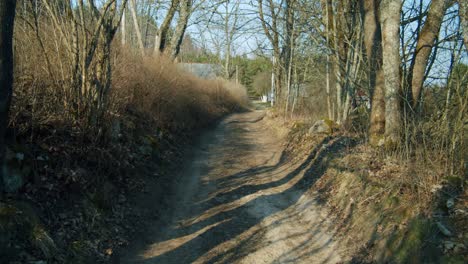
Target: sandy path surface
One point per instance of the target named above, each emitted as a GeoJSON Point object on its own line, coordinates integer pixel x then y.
{"type": "Point", "coordinates": [241, 200]}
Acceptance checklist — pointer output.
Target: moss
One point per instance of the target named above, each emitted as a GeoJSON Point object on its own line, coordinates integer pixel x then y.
{"type": "Point", "coordinates": [376, 140]}
{"type": "Point", "coordinates": [455, 181]}
{"type": "Point", "coordinates": [332, 126]}
{"type": "Point", "coordinates": [298, 127]}
{"type": "Point", "coordinates": [405, 246]}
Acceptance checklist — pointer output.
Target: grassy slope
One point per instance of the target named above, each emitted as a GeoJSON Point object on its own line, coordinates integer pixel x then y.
{"type": "Point", "coordinates": [383, 212]}
{"type": "Point", "coordinates": [76, 201]}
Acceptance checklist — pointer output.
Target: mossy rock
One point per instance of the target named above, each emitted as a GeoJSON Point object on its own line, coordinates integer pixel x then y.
{"type": "Point", "coordinates": [324, 126]}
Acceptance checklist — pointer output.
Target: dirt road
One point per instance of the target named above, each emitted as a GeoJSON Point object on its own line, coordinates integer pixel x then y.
{"type": "Point", "coordinates": [241, 200]}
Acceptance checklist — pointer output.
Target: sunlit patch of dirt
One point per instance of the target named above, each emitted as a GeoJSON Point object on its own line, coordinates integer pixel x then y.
{"type": "Point", "coordinates": [244, 199]}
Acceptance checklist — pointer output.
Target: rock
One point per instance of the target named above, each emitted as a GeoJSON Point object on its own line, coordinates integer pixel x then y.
{"type": "Point", "coordinates": [15, 171]}
{"type": "Point", "coordinates": [19, 156]}
{"type": "Point", "coordinates": [435, 188]}
{"type": "Point", "coordinates": [450, 203]}
{"type": "Point", "coordinates": [116, 129]}
{"type": "Point", "coordinates": [322, 127]}
{"type": "Point", "coordinates": [109, 251]}
{"type": "Point", "coordinates": [444, 229]}
{"type": "Point", "coordinates": [12, 179]}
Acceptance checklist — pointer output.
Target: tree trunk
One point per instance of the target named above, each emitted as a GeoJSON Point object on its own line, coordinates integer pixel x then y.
{"type": "Point", "coordinates": [289, 48]}
{"type": "Point", "coordinates": [390, 24]}
{"type": "Point", "coordinates": [463, 12]}
{"type": "Point", "coordinates": [272, 33]}
{"type": "Point", "coordinates": [161, 38]}
{"type": "Point", "coordinates": [326, 21]}
{"type": "Point", "coordinates": [7, 17]}
{"type": "Point", "coordinates": [373, 48]}
{"type": "Point", "coordinates": [137, 27]}
{"type": "Point", "coordinates": [147, 24]}
{"type": "Point", "coordinates": [427, 38]}
{"type": "Point", "coordinates": [179, 32]}
{"type": "Point", "coordinates": [227, 55]}
{"type": "Point", "coordinates": [122, 29]}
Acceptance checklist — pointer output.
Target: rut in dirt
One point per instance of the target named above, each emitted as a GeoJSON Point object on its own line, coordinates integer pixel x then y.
{"type": "Point", "coordinates": [243, 200]}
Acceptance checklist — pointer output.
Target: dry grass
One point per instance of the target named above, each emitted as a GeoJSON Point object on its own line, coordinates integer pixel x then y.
{"type": "Point", "coordinates": [148, 96]}
{"type": "Point", "coordinates": [384, 206]}
{"type": "Point", "coordinates": [174, 99]}
{"type": "Point", "coordinates": [153, 109]}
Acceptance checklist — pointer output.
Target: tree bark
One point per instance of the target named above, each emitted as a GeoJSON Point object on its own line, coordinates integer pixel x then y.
{"type": "Point", "coordinates": [272, 33]}
{"type": "Point", "coordinates": [137, 27]}
{"type": "Point", "coordinates": [373, 48]}
{"type": "Point", "coordinates": [161, 38]}
{"type": "Point", "coordinates": [390, 24]}
{"type": "Point", "coordinates": [179, 32]}
{"type": "Point", "coordinates": [326, 15]}
{"type": "Point", "coordinates": [7, 17]}
{"type": "Point", "coordinates": [227, 32]}
{"type": "Point", "coordinates": [289, 48]}
{"type": "Point", "coordinates": [123, 29]}
{"type": "Point", "coordinates": [463, 12]}
{"type": "Point", "coordinates": [427, 38]}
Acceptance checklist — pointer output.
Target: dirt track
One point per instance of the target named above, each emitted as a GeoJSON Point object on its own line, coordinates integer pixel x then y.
{"type": "Point", "coordinates": [241, 201]}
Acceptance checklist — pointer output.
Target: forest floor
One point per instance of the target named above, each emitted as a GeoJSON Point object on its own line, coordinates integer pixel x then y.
{"type": "Point", "coordinates": [242, 199]}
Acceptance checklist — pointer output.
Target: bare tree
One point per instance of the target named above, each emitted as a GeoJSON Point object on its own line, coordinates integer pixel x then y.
{"type": "Point", "coordinates": [373, 48]}
{"type": "Point", "coordinates": [425, 43]}
{"type": "Point", "coordinates": [463, 12]}
{"type": "Point", "coordinates": [87, 45]}
{"type": "Point", "coordinates": [137, 27]}
{"type": "Point", "coordinates": [185, 11]}
{"type": "Point", "coordinates": [231, 18]}
{"type": "Point", "coordinates": [290, 43]}
{"type": "Point", "coordinates": [390, 22]}
{"type": "Point", "coordinates": [160, 41]}
{"type": "Point", "coordinates": [271, 29]}
{"type": "Point", "coordinates": [344, 42]}
{"type": "Point", "coordinates": [329, 26]}
{"type": "Point", "coordinates": [123, 24]}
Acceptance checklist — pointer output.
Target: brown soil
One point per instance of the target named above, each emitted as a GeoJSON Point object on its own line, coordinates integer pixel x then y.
{"type": "Point", "coordinates": [242, 199]}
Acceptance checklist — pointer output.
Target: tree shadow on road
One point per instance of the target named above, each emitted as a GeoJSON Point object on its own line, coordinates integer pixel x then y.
{"type": "Point", "coordinates": [225, 218]}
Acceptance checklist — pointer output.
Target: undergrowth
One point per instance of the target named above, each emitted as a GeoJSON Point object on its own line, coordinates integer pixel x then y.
{"type": "Point", "coordinates": [74, 178]}
{"type": "Point", "coordinates": [388, 209]}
